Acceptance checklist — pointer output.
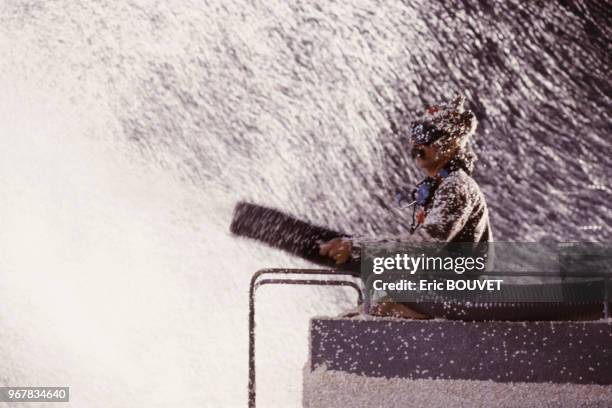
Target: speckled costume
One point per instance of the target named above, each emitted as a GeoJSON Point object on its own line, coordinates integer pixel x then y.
{"type": "Point", "coordinates": [458, 213]}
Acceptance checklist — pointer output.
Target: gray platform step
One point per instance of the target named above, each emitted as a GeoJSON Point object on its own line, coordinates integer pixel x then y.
{"type": "Point", "coordinates": [530, 352]}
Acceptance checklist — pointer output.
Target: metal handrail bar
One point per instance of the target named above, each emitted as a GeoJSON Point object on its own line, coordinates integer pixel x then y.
{"type": "Point", "coordinates": [255, 283]}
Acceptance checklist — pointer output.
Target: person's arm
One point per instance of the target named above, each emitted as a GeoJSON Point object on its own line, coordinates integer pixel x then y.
{"type": "Point", "coordinates": [453, 203]}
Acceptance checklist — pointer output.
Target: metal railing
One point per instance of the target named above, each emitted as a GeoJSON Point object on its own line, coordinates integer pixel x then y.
{"type": "Point", "coordinates": [256, 283]}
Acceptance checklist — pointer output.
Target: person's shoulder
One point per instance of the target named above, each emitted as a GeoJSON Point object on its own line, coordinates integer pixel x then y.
{"type": "Point", "coordinates": [459, 177]}
{"type": "Point", "coordinates": [461, 183]}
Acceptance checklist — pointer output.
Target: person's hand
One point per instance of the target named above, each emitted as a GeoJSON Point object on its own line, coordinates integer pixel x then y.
{"type": "Point", "coordinates": [338, 249]}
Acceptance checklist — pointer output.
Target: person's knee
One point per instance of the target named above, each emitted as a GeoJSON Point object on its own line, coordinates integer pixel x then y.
{"type": "Point", "coordinates": [388, 308]}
